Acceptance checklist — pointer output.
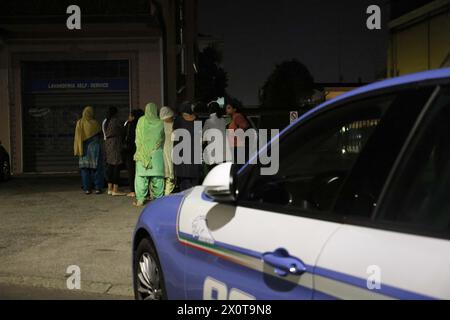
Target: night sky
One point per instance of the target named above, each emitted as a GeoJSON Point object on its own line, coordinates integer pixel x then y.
{"type": "Point", "coordinates": [259, 34]}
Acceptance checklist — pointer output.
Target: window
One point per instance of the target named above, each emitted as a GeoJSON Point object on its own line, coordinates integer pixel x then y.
{"type": "Point", "coordinates": [316, 157]}
{"type": "Point", "coordinates": [362, 189]}
{"type": "Point", "coordinates": [420, 195]}
{"type": "Point", "coordinates": [337, 162]}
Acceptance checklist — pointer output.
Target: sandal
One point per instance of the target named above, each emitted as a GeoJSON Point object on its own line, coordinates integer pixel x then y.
{"type": "Point", "coordinates": [118, 194]}
{"type": "Point", "coordinates": [138, 204]}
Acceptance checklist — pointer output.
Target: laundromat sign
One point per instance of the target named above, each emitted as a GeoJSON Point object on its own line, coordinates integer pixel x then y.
{"type": "Point", "coordinates": [115, 85]}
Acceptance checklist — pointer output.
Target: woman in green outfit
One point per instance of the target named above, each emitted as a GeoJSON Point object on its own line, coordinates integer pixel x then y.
{"type": "Point", "coordinates": [149, 156]}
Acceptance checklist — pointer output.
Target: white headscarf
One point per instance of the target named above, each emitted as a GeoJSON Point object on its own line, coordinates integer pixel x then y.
{"type": "Point", "coordinates": [165, 113]}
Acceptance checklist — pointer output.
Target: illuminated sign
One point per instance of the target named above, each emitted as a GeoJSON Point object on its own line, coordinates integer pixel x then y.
{"type": "Point", "coordinates": [116, 85]}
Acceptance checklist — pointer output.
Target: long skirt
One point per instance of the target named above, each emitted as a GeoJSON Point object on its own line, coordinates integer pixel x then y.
{"type": "Point", "coordinates": [91, 165]}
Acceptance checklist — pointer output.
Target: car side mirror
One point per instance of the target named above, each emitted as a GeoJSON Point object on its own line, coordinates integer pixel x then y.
{"type": "Point", "coordinates": [220, 183]}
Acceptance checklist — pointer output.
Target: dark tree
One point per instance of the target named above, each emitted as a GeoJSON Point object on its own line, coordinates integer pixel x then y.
{"type": "Point", "coordinates": [288, 87]}
{"type": "Point", "coordinates": [212, 80]}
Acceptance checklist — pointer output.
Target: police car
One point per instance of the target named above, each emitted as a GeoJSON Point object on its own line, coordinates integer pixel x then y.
{"type": "Point", "coordinates": [359, 208]}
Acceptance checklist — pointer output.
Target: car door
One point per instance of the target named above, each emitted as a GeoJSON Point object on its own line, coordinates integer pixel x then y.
{"type": "Point", "coordinates": [266, 245]}
{"type": "Point", "coordinates": [402, 250]}
{"type": "Point", "coordinates": [226, 245]}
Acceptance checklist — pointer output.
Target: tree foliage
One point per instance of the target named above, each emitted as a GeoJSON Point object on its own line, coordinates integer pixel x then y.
{"type": "Point", "coordinates": [288, 87]}
{"type": "Point", "coordinates": [212, 80]}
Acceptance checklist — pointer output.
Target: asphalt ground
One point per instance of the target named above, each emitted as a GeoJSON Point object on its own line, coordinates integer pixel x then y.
{"type": "Point", "coordinates": [48, 224]}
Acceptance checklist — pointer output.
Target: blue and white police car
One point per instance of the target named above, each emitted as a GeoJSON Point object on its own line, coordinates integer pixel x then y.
{"type": "Point", "coordinates": [359, 208]}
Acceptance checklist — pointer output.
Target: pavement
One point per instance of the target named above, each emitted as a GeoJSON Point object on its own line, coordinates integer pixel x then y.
{"type": "Point", "coordinates": [48, 224]}
{"type": "Point", "coordinates": [14, 292]}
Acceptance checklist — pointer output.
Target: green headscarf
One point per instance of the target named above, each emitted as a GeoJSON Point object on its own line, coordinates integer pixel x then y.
{"type": "Point", "coordinates": [149, 135]}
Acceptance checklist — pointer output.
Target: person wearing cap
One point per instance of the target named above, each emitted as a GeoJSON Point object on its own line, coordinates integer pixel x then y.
{"type": "Point", "coordinates": [187, 174]}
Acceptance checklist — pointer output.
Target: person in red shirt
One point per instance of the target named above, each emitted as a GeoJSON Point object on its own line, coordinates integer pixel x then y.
{"type": "Point", "coordinates": [238, 121]}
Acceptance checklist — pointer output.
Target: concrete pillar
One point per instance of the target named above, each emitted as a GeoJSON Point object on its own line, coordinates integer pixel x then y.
{"type": "Point", "coordinates": [170, 60]}
{"type": "Point", "coordinates": [4, 99]}
{"type": "Point", "coordinates": [191, 46]}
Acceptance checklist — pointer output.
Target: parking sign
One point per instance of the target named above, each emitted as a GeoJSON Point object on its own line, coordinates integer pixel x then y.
{"type": "Point", "coordinates": [293, 115]}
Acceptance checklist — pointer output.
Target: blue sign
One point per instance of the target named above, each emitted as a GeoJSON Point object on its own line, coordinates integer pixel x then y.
{"type": "Point", "coordinates": [109, 85]}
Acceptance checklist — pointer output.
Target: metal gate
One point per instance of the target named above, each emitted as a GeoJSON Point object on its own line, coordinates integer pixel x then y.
{"type": "Point", "coordinates": [51, 108]}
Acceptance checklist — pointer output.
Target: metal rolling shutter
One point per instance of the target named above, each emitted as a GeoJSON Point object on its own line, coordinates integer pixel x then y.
{"type": "Point", "coordinates": [49, 125]}
{"type": "Point", "coordinates": [49, 120]}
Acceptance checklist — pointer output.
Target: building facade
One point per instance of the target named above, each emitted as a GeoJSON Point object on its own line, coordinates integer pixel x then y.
{"type": "Point", "coordinates": [126, 54]}
{"type": "Point", "coordinates": [419, 36]}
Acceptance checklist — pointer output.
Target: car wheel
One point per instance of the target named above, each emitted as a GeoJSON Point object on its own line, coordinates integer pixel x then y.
{"type": "Point", "coordinates": [148, 277]}
{"type": "Point", "coordinates": [5, 171]}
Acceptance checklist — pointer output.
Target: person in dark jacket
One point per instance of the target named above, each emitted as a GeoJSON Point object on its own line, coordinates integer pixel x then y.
{"type": "Point", "coordinates": [130, 147]}
{"type": "Point", "coordinates": [113, 151]}
{"type": "Point", "coordinates": [189, 174]}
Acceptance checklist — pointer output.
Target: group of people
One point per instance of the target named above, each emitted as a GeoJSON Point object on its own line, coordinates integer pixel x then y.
{"type": "Point", "coordinates": [144, 146]}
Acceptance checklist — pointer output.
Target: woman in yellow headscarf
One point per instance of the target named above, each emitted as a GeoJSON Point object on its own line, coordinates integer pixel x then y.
{"type": "Point", "coordinates": [87, 147]}
{"type": "Point", "coordinates": [149, 156]}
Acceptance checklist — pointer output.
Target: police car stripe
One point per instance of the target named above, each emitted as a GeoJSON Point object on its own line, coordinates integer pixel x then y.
{"type": "Point", "coordinates": [327, 282]}
{"type": "Point", "coordinates": [243, 257]}
{"type": "Point", "coordinates": [361, 284]}
{"type": "Point", "coordinates": [223, 253]}
{"type": "Point", "coordinates": [343, 290]}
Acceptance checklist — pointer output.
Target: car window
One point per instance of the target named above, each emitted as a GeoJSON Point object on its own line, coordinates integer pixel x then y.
{"type": "Point", "coordinates": [359, 196]}
{"type": "Point", "coordinates": [318, 158]}
{"type": "Point", "coordinates": [315, 158]}
{"type": "Point", "coordinates": [420, 194]}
